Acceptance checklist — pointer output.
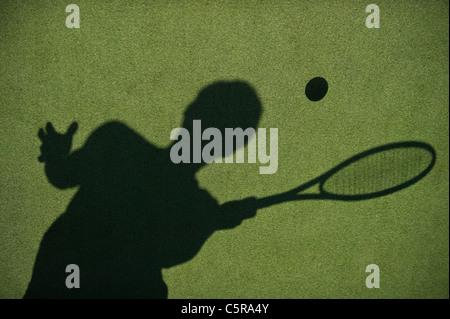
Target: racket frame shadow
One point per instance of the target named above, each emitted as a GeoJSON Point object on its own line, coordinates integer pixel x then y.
{"type": "Point", "coordinates": [294, 195]}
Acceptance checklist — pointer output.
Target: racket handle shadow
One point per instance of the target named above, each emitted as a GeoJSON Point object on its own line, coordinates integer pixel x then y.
{"type": "Point", "coordinates": [285, 197]}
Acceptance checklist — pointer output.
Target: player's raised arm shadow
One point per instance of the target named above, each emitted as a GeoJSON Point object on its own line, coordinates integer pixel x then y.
{"type": "Point", "coordinates": [135, 211]}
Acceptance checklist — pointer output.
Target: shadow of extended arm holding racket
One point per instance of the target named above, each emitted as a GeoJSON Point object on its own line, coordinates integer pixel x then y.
{"type": "Point", "coordinates": [376, 172]}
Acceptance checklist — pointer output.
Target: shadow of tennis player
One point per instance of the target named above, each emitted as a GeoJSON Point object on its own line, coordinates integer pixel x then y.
{"type": "Point", "coordinates": [135, 211]}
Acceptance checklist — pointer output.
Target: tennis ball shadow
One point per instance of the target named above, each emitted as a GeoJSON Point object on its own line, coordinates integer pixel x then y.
{"type": "Point", "coordinates": [316, 89]}
{"type": "Point", "coordinates": [135, 211]}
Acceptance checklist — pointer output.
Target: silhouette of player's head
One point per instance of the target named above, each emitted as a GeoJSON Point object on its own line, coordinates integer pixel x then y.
{"type": "Point", "coordinates": [225, 105]}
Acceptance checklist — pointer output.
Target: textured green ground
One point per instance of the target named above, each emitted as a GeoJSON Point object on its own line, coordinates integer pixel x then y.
{"type": "Point", "coordinates": [143, 63]}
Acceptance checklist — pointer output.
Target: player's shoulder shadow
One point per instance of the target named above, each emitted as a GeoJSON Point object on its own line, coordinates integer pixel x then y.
{"type": "Point", "coordinates": [135, 211]}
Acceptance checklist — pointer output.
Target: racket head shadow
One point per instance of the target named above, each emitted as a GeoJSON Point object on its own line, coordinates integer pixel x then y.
{"type": "Point", "coordinates": [378, 172]}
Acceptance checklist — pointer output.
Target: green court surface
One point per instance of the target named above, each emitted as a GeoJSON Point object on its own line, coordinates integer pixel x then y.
{"type": "Point", "coordinates": [143, 62]}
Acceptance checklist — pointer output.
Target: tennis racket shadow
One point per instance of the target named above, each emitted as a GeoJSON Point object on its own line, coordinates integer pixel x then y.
{"type": "Point", "coordinates": [376, 172]}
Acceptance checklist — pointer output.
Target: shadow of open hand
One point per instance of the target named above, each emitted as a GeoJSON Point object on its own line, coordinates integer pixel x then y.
{"type": "Point", "coordinates": [54, 144]}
